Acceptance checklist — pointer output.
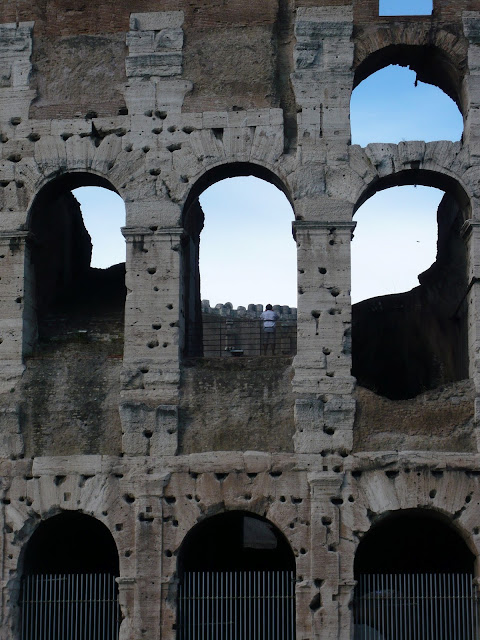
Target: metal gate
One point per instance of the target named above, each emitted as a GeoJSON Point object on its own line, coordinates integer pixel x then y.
{"type": "Point", "coordinates": [416, 607]}
{"type": "Point", "coordinates": [237, 605]}
{"type": "Point", "coordinates": [69, 607]}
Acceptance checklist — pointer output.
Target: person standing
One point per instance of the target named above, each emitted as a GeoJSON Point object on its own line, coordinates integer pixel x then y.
{"type": "Point", "coordinates": [269, 317]}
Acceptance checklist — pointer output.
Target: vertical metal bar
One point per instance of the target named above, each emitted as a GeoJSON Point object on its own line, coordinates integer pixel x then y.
{"type": "Point", "coordinates": [399, 597]}
{"type": "Point", "coordinates": [42, 606]}
{"type": "Point", "coordinates": [95, 605]}
{"type": "Point", "coordinates": [456, 601]}
{"type": "Point", "coordinates": [101, 606]}
{"type": "Point", "coordinates": [193, 597]}
{"type": "Point", "coordinates": [208, 622]}
{"type": "Point", "coordinates": [363, 580]}
{"type": "Point", "coordinates": [58, 584]}
{"type": "Point", "coordinates": [259, 604]}
{"type": "Point", "coordinates": [109, 626]}
{"type": "Point", "coordinates": [262, 601]}
{"type": "Point", "coordinates": [475, 591]}
{"type": "Point", "coordinates": [215, 617]}
{"type": "Point", "coordinates": [181, 621]}
{"type": "Point", "coordinates": [222, 605]}
{"type": "Point", "coordinates": [24, 610]}
{"type": "Point", "coordinates": [423, 601]}
{"type": "Point", "coordinates": [61, 589]}
{"type": "Point", "coordinates": [232, 604]}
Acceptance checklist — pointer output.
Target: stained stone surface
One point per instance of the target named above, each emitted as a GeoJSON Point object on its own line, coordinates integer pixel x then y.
{"type": "Point", "coordinates": [102, 412]}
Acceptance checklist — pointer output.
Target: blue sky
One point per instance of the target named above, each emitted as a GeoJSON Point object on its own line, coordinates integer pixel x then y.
{"type": "Point", "coordinates": [247, 251]}
{"type": "Point", "coordinates": [405, 7]}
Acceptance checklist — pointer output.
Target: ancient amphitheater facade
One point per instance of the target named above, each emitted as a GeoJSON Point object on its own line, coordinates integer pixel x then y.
{"type": "Point", "coordinates": [234, 497]}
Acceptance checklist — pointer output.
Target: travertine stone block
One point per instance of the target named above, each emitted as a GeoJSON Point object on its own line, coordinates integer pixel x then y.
{"type": "Point", "coordinates": [147, 430]}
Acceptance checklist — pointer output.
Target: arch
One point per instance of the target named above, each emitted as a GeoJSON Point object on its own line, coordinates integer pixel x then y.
{"type": "Point", "coordinates": [414, 573]}
{"type": "Point", "coordinates": [63, 181]}
{"type": "Point", "coordinates": [70, 566]}
{"type": "Point", "coordinates": [437, 57]}
{"type": "Point", "coordinates": [407, 343]}
{"type": "Point", "coordinates": [225, 170]}
{"type": "Point", "coordinates": [193, 222]}
{"type": "Point", "coordinates": [221, 543]}
{"type": "Point", "coordinates": [413, 541]}
{"type": "Point", "coordinates": [232, 559]}
{"type": "Point", "coordinates": [71, 542]}
{"type": "Point", "coordinates": [60, 253]}
{"type": "Point", "coordinates": [419, 176]}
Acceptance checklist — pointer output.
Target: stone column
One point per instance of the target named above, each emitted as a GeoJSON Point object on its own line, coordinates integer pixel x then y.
{"type": "Point", "coordinates": [471, 232]}
{"type": "Point", "coordinates": [126, 600]}
{"type": "Point", "coordinates": [324, 408]}
{"type": "Point", "coordinates": [148, 559]}
{"type": "Point", "coordinates": [471, 26]}
{"type": "Point", "coordinates": [325, 565]}
{"type": "Point", "coordinates": [17, 332]}
{"type": "Point", "coordinates": [151, 372]}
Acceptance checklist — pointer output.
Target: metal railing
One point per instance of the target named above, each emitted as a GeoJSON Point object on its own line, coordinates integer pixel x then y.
{"type": "Point", "coordinates": [223, 337]}
{"type": "Point", "coordinates": [69, 607]}
{"type": "Point", "coordinates": [237, 605]}
{"type": "Point", "coordinates": [440, 606]}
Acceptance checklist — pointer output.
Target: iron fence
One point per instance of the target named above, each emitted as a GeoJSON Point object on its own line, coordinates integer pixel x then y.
{"type": "Point", "coordinates": [69, 607]}
{"type": "Point", "coordinates": [416, 607]}
{"type": "Point", "coordinates": [221, 337]}
{"type": "Point", "coordinates": [237, 605]}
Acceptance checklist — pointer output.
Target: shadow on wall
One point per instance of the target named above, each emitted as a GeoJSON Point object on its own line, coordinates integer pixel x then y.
{"type": "Point", "coordinates": [405, 344]}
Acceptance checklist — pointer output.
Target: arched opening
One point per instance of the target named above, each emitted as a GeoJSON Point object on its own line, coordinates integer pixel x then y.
{"type": "Point", "coordinates": [406, 343]}
{"type": "Point", "coordinates": [247, 254]}
{"type": "Point", "coordinates": [393, 105]}
{"type": "Point", "coordinates": [401, 8]}
{"type": "Point", "coordinates": [431, 64]}
{"type": "Point", "coordinates": [69, 585]}
{"type": "Point", "coordinates": [237, 579]}
{"type": "Point", "coordinates": [71, 297]}
{"type": "Point", "coordinates": [414, 578]}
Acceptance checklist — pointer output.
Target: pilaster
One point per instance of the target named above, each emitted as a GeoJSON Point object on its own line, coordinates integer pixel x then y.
{"type": "Point", "coordinates": [151, 370]}
{"type": "Point", "coordinates": [324, 409]}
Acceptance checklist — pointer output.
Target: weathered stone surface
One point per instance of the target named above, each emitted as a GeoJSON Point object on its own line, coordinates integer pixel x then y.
{"type": "Point", "coordinates": [102, 413]}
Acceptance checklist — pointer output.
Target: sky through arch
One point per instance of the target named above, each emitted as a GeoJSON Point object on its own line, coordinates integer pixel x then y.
{"type": "Point", "coordinates": [248, 221]}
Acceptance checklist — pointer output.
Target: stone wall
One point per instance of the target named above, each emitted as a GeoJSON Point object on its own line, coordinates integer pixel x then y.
{"type": "Point", "coordinates": [102, 414]}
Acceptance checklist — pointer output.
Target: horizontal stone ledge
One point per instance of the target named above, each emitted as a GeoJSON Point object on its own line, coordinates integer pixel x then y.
{"type": "Point", "coordinates": [156, 21]}
{"type": "Point", "coordinates": [131, 232]}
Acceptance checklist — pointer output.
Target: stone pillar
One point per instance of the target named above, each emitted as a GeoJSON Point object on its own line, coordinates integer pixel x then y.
{"type": "Point", "coordinates": [148, 559]}
{"type": "Point", "coordinates": [126, 600]}
{"type": "Point", "coordinates": [151, 372]}
{"type": "Point", "coordinates": [324, 408]}
{"type": "Point", "coordinates": [17, 306]}
{"type": "Point", "coordinates": [471, 25]}
{"type": "Point", "coordinates": [471, 232]}
{"type": "Point", "coordinates": [325, 568]}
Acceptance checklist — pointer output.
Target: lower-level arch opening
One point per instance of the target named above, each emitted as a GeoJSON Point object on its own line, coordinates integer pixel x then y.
{"type": "Point", "coordinates": [68, 585]}
{"type": "Point", "coordinates": [236, 580]}
{"type": "Point", "coordinates": [414, 575]}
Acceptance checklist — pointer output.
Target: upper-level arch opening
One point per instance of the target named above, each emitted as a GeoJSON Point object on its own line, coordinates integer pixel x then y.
{"type": "Point", "coordinates": [238, 249]}
{"type": "Point", "coordinates": [69, 589]}
{"type": "Point", "coordinates": [414, 575]}
{"type": "Point", "coordinates": [238, 570]}
{"type": "Point", "coordinates": [409, 342]}
{"type": "Point", "coordinates": [68, 294]}
{"type": "Point", "coordinates": [400, 94]}
{"type": "Point", "coordinates": [402, 8]}
{"type": "Point", "coordinates": [431, 64]}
